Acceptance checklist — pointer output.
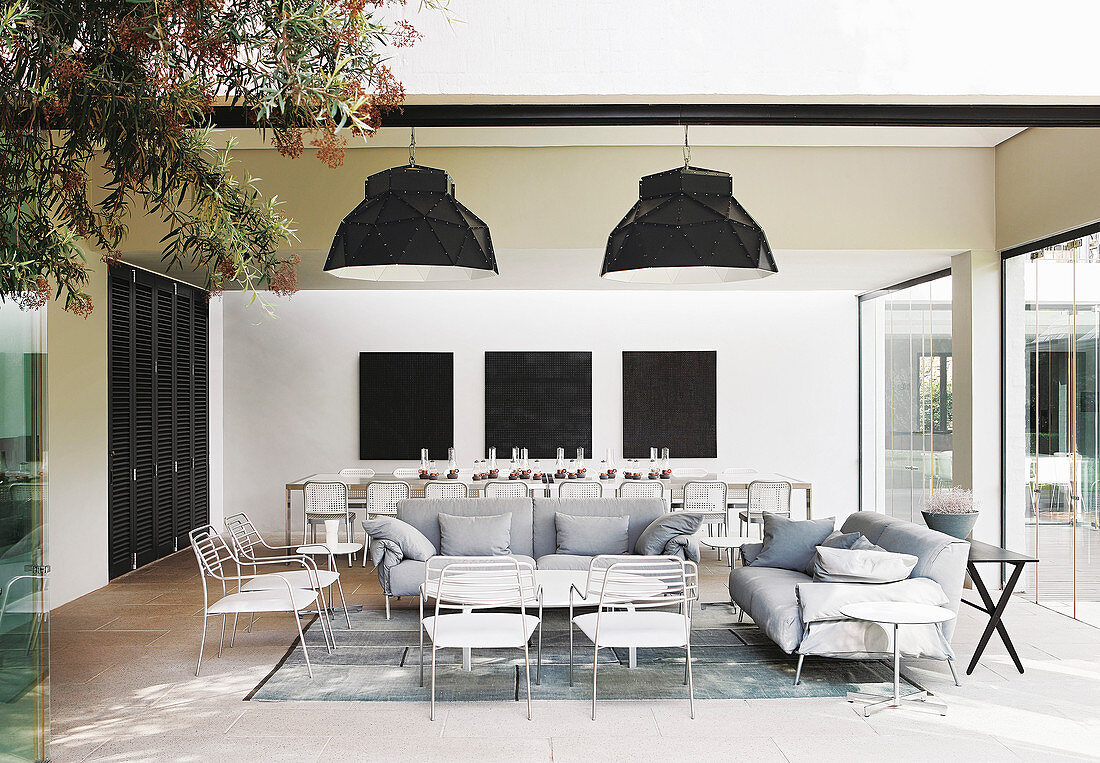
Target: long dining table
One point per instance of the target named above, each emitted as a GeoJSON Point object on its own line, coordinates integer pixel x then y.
{"type": "Point", "coordinates": [357, 486]}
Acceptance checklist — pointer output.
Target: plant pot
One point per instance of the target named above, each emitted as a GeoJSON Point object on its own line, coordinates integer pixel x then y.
{"type": "Point", "coordinates": [955, 525]}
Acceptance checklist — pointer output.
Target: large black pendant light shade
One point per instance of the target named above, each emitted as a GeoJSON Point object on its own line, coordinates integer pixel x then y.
{"type": "Point", "coordinates": [687, 228]}
{"type": "Point", "coordinates": [411, 227]}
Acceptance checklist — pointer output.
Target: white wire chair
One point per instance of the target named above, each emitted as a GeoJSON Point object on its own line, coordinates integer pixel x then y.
{"type": "Point", "coordinates": [406, 471]}
{"type": "Point", "coordinates": [212, 553]}
{"type": "Point", "coordinates": [356, 472]}
{"type": "Point", "coordinates": [357, 497]}
{"type": "Point", "coordinates": [710, 499]}
{"type": "Point", "coordinates": [580, 489]}
{"type": "Point", "coordinates": [770, 497]}
{"type": "Point", "coordinates": [689, 471]}
{"type": "Point", "coordinates": [472, 583]}
{"type": "Point", "coordinates": [449, 489]}
{"type": "Point", "coordinates": [645, 587]}
{"type": "Point", "coordinates": [382, 500]}
{"type": "Point", "coordinates": [641, 489]}
{"type": "Point", "coordinates": [325, 501]}
{"type": "Point", "coordinates": [247, 541]}
{"type": "Point", "coordinates": [502, 489]}
{"type": "Point", "coordinates": [738, 497]}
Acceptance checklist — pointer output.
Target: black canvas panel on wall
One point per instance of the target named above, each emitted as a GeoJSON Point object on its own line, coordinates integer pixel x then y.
{"type": "Point", "coordinates": [540, 401]}
{"type": "Point", "coordinates": [406, 402]}
{"type": "Point", "coordinates": [670, 400]}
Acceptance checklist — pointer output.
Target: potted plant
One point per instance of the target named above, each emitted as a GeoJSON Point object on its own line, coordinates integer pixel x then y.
{"type": "Point", "coordinates": [952, 511]}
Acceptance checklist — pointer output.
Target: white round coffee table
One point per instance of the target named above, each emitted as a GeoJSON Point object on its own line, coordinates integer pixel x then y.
{"type": "Point", "coordinates": [896, 613]}
{"type": "Point", "coordinates": [727, 543]}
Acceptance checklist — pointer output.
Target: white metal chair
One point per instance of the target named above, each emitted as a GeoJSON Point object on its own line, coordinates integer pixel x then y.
{"type": "Point", "coordinates": [476, 583]}
{"type": "Point", "coordinates": [689, 471]}
{"type": "Point", "coordinates": [710, 499]}
{"type": "Point", "coordinates": [770, 497]}
{"type": "Point", "coordinates": [325, 501]}
{"type": "Point", "coordinates": [502, 489]}
{"type": "Point", "coordinates": [30, 605]}
{"type": "Point", "coordinates": [406, 471]}
{"type": "Point", "coordinates": [634, 594]}
{"type": "Point", "coordinates": [356, 494]}
{"type": "Point", "coordinates": [247, 541]}
{"type": "Point", "coordinates": [212, 553]}
{"type": "Point", "coordinates": [382, 500]}
{"type": "Point", "coordinates": [357, 472]}
{"type": "Point", "coordinates": [641, 489]}
{"type": "Point", "coordinates": [449, 489]}
{"type": "Point", "coordinates": [580, 489]}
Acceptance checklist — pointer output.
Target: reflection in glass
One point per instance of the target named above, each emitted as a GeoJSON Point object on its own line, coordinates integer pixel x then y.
{"type": "Point", "coordinates": [24, 631]}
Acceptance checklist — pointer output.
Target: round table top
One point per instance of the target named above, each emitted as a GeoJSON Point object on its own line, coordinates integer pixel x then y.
{"type": "Point", "coordinates": [897, 612]}
{"type": "Point", "coordinates": [726, 541]}
{"type": "Point", "coordinates": [339, 549]}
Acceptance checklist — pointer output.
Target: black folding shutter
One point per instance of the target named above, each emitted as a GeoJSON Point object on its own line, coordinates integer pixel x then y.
{"type": "Point", "coordinates": [165, 452]}
{"type": "Point", "coordinates": [201, 411]}
{"type": "Point", "coordinates": [145, 545]}
{"type": "Point", "coordinates": [183, 404]}
{"type": "Point", "coordinates": [119, 419]}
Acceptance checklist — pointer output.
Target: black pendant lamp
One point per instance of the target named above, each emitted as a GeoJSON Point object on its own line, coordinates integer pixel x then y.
{"type": "Point", "coordinates": [687, 229]}
{"type": "Point", "coordinates": [410, 227]}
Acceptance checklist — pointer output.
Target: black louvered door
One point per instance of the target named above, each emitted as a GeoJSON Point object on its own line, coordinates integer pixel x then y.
{"type": "Point", "coordinates": [158, 416]}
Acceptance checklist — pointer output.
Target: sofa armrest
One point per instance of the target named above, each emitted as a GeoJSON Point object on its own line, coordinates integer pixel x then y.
{"type": "Point", "coordinates": [749, 552]}
{"type": "Point", "coordinates": [384, 555]}
{"type": "Point", "coordinates": [684, 547]}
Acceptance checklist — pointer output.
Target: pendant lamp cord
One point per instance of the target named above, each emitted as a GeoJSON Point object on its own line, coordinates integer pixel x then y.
{"type": "Point", "coordinates": [687, 149]}
{"type": "Point", "coordinates": [412, 146]}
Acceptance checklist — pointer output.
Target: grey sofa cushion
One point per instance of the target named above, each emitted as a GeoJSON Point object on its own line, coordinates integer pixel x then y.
{"type": "Point", "coordinates": [655, 537]}
{"type": "Point", "coordinates": [590, 536]}
{"type": "Point", "coordinates": [836, 539]}
{"type": "Point", "coordinates": [641, 511]}
{"type": "Point", "coordinates": [408, 539]}
{"type": "Point", "coordinates": [423, 514]}
{"type": "Point", "coordinates": [406, 577]}
{"type": "Point", "coordinates": [790, 544]}
{"type": "Point", "coordinates": [846, 565]}
{"type": "Point", "coordinates": [770, 596]}
{"type": "Point", "coordinates": [564, 562]}
{"type": "Point", "coordinates": [475, 536]}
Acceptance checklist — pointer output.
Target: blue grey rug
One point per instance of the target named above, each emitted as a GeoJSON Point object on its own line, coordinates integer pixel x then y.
{"type": "Point", "coordinates": [378, 660]}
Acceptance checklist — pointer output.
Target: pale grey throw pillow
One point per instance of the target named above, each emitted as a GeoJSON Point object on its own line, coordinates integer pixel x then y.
{"type": "Point", "coordinates": [411, 541]}
{"type": "Point", "coordinates": [660, 531]}
{"type": "Point", "coordinates": [475, 536]}
{"type": "Point", "coordinates": [790, 544]}
{"type": "Point", "coordinates": [836, 540]}
{"type": "Point", "coordinates": [590, 536]}
{"type": "Point", "coordinates": [845, 565]}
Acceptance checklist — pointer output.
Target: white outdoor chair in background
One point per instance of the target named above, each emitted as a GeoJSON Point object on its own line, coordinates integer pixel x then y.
{"type": "Point", "coordinates": [247, 541]}
{"type": "Point", "coordinates": [212, 553]}
{"type": "Point", "coordinates": [710, 499]}
{"type": "Point", "coordinates": [449, 489]}
{"type": "Point", "coordinates": [406, 471]}
{"type": "Point", "coordinates": [356, 494]}
{"type": "Point", "coordinates": [770, 497]}
{"type": "Point", "coordinates": [633, 596]}
{"type": "Point", "coordinates": [470, 584]}
{"type": "Point", "coordinates": [325, 501]}
{"type": "Point", "coordinates": [642, 489]}
{"type": "Point", "coordinates": [689, 471]}
{"type": "Point", "coordinates": [580, 489]}
{"type": "Point", "coordinates": [502, 489]}
{"type": "Point", "coordinates": [382, 500]}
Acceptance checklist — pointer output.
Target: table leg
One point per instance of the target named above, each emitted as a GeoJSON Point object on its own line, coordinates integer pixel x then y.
{"type": "Point", "coordinates": [897, 669]}
{"type": "Point", "coordinates": [809, 504]}
{"type": "Point", "coordinates": [286, 534]}
{"type": "Point", "coordinates": [467, 652]}
{"type": "Point", "coordinates": [994, 612]}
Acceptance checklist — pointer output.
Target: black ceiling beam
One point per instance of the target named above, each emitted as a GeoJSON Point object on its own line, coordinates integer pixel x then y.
{"type": "Point", "coordinates": [588, 114]}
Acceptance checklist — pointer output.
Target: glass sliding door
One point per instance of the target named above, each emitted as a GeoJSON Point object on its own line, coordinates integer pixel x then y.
{"type": "Point", "coordinates": [905, 396]}
{"type": "Point", "coordinates": [1052, 325]}
{"type": "Point", "coordinates": [24, 629]}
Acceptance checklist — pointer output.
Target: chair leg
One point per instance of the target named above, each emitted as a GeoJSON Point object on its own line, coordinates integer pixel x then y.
{"type": "Point", "coordinates": [201, 643]}
{"type": "Point", "coordinates": [302, 641]}
{"type": "Point", "coordinates": [222, 639]}
{"type": "Point", "coordinates": [538, 672]}
{"type": "Point", "coordinates": [431, 705]}
{"type": "Point", "coordinates": [343, 602]}
{"type": "Point", "coordinates": [740, 614]}
{"type": "Point", "coordinates": [233, 636]}
{"type": "Point", "coordinates": [954, 675]}
{"type": "Point", "coordinates": [387, 606]}
{"type": "Point", "coordinates": [798, 672]}
{"type": "Point", "coordinates": [326, 626]}
{"type": "Point", "coordinates": [570, 647]}
{"type": "Point", "coordinates": [595, 662]}
{"type": "Point", "coordinates": [251, 618]}
{"type": "Point", "coordinates": [527, 671]}
{"type": "Point", "coordinates": [420, 627]}
{"type": "Point", "coordinates": [691, 683]}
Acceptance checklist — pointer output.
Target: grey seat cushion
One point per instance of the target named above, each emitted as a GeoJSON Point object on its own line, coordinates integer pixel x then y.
{"type": "Point", "coordinates": [423, 514]}
{"type": "Point", "coordinates": [405, 578]}
{"type": "Point", "coordinates": [564, 562]}
{"type": "Point", "coordinates": [475, 536]}
{"type": "Point", "coordinates": [590, 536]}
{"type": "Point", "coordinates": [641, 511]}
{"type": "Point", "coordinates": [790, 544]}
{"type": "Point", "coordinates": [770, 596]}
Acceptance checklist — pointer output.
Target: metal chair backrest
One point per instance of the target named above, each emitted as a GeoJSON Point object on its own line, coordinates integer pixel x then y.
{"type": "Point", "coordinates": [643, 581]}
{"type": "Point", "coordinates": [244, 535]}
{"type": "Point", "coordinates": [326, 499]}
{"type": "Point", "coordinates": [771, 497]}
{"type": "Point", "coordinates": [689, 471]}
{"type": "Point", "coordinates": [383, 497]}
{"type": "Point", "coordinates": [737, 472]}
{"type": "Point", "coordinates": [580, 489]}
{"type": "Point", "coordinates": [642, 489]}
{"type": "Point", "coordinates": [514, 489]}
{"type": "Point", "coordinates": [453, 489]}
{"type": "Point", "coordinates": [480, 582]}
{"type": "Point", "coordinates": [406, 471]}
{"type": "Point", "coordinates": [705, 496]}
{"type": "Point", "coordinates": [211, 551]}
{"type": "Point", "coordinates": [356, 472]}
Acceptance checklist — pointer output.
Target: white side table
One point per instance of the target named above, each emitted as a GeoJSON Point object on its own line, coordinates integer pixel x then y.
{"type": "Point", "coordinates": [896, 613]}
{"type": "Point", "coordinates": [727, 542]}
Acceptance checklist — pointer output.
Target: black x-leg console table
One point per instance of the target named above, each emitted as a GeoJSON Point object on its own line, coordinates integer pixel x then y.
{"type": "Point", "coordinates": [984, 553]}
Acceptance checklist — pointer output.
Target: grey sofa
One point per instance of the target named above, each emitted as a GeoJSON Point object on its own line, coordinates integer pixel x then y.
{"type": "Point", "coordinates": [533, 532]}
{"type": "Point", "coordinates": [772, 596]}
